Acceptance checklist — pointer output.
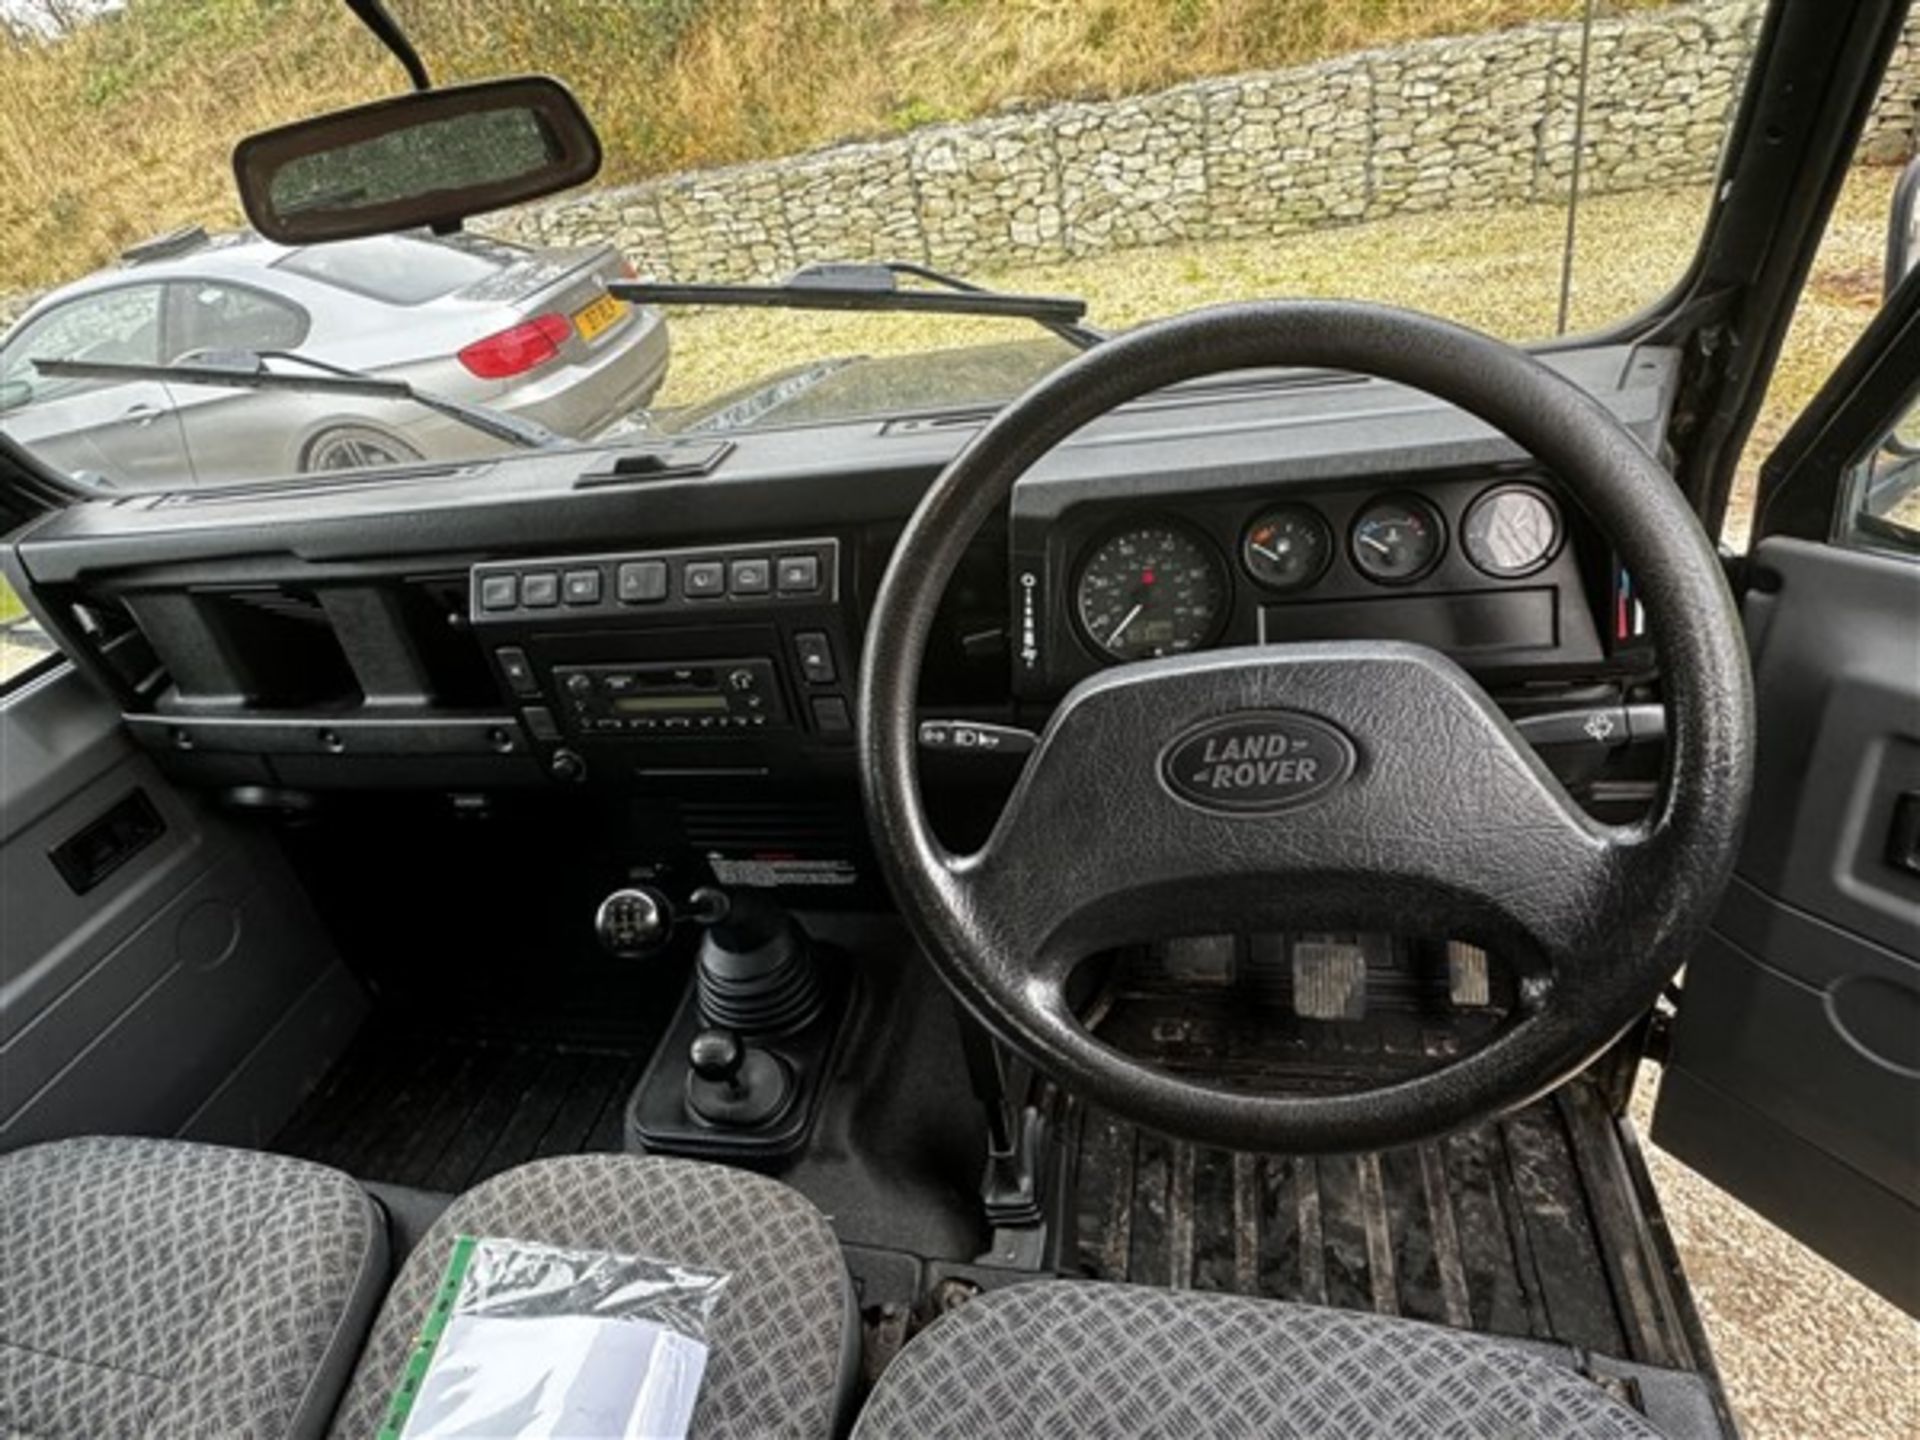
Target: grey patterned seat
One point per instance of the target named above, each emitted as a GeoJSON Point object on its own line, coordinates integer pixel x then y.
{"type": "Point", "coordinates": [1081, 1359]}
{"type": "Point", "coordinates": [785, 1342]}
{"type": "Point", "coordinates": [156, 1288]}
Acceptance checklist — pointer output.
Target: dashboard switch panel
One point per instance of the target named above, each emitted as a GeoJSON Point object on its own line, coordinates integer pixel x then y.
{"type": "Point", "coordinates": [561, 590]}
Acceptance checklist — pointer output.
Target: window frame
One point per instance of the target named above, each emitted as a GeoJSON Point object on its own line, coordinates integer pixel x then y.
{"type": "Point", "coordinates": [34, 318]}
{"type": "Point", "coordinates": [46, 664]}
{"type": "Point", "coordinates": [177, 298]}
{"type": "Point", "coordinates": [1811, 485]}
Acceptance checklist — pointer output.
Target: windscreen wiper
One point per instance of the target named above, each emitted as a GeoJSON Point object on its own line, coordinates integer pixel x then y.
{"type": "Point", "coordinates": [247, 370]}
{"type": "Point", "coordinates": [842, 286]}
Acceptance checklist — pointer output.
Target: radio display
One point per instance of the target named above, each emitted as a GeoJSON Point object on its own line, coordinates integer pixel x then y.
{"type": "Point", "coordinates": [670, 704]}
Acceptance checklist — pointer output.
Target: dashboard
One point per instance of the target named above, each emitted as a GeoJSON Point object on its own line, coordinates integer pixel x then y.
{"type": "Point", "coordinates": [685, 617]}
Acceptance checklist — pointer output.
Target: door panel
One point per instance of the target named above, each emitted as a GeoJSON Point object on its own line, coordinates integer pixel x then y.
{"type": "Point", "coordinates": [126, 433]}
{"type": "Point", "coordinates": [129, 435]}
{"type": "Point", "coordinates": [155, 978]}
{"type": "Point", "coordinates": [1795, 1072]}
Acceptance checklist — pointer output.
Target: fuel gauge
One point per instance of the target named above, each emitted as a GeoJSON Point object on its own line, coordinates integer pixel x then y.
{"type": "Point", "coordinates": [1397, 539]}
{"type": "Point", "coordinates": [1287, 547]}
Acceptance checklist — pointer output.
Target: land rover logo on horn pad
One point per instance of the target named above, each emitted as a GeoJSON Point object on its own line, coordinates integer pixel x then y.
{"type": "Point", "coordinates": [1257, 762]}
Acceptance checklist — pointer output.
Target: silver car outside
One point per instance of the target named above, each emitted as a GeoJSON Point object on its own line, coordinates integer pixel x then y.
{"type": "Point", "coordinates": [400, 306]}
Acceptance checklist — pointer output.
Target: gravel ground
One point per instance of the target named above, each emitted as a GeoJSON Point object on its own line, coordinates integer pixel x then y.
{"type": "Point", "coordinates": [1806, 1353]}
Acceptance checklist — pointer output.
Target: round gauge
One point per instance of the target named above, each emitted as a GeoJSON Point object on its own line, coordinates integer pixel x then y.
{"type": "Point", "coordinates": [1397, 539]}
{"type": "Point", "coordinates": [1510, 531]}
{"type": "Point", "coordinates": [1287, 547]}
{"type": "Point", "coordinates": [1151, 589]}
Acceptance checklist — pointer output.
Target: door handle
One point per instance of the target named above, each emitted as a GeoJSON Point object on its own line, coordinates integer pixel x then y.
{"type": "Point", "coordinates": [142, 415]}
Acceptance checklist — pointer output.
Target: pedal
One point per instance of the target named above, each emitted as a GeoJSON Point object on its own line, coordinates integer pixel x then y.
{"type": "Point", "coordinates": [1468, 985]}
{"type": "Point", "coordinates": [1329, 977]}
{"type": "Point", "coordinates": [1012, 1199]}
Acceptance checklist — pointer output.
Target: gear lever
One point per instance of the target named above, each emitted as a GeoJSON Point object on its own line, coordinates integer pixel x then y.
{"type": "Point", "coordinates": [756, 971]}
{"type": "Point", "coordinates": [734, 1084]}
{"type": "Point", "coordinates": [638, 920]}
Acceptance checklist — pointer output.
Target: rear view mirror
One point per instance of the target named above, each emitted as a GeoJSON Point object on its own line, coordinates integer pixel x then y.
{"type": "Point", "coordinates": [431, 158]}
{"type": "Point", "coordinates": [1903, 228]}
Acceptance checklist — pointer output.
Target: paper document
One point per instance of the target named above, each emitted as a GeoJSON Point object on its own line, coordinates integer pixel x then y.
{"type": "Point", "coordinates": [563, 1377]}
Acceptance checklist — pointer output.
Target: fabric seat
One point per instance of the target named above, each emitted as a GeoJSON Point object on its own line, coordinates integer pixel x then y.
{"type": "Point", "coordinates": [785, 1342]}
{"type": "Point", "coordinates": [1083, 1359]}
{"type": "Point", "coordinates": [158, 1288]}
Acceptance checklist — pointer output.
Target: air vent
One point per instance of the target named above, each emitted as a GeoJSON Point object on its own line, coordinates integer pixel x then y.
{"type": "Point", "coordinates": [929, 424]}
{"type": "Point", "coordinates": [300, 487]}
{"type": "Point", "coordinates": [755, 826]}
{"type": "Point", "coordinates": [1250, 384]}
{"type": "Point", "coordinates": [299, 605]}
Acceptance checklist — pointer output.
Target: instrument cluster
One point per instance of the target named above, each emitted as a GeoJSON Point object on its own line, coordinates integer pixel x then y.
{"type": "Point", "coordinates": [1155, 585]}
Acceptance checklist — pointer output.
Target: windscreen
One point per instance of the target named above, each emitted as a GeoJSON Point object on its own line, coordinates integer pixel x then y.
{"type": "Point", "coordinates": [1529, 167]}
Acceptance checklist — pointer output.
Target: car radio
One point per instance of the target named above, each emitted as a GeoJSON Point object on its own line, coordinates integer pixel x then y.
{"type": "Point", "coordinates": [677, 697]}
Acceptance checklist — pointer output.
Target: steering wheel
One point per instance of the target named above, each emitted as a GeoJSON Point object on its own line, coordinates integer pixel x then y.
{"type": "Point", "coordinates": [1317, 786]}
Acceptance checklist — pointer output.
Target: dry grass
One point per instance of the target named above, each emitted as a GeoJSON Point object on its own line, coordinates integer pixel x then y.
{"type": "Point", "coordinates": [124, 128]}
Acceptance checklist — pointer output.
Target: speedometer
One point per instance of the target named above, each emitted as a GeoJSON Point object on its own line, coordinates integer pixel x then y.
{"type": "Point", "coordinates": [1151, 589]}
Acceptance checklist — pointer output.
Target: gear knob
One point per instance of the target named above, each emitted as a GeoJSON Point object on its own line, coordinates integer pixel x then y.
{"type": "Point", "coordinates": [716, 1056]}
{"type": "Point", "coordinates": [633, 923]}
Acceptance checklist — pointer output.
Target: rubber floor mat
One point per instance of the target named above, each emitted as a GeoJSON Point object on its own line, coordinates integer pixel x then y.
{"type": "Point", "coordinates": [444, 1112]}
{"type": "Point", "coordinates": [1528, 1226]}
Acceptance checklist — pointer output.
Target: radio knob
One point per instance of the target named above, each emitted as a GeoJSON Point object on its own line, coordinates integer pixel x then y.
{"type": "Point", "coordinates": [741, 679]}
{"type": "Point", "coordinates": [579, 683]}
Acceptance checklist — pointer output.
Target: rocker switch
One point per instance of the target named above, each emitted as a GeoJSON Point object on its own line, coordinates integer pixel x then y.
{"type": "Point", "coordinates": [816, 657]}
{"type": "Point", "coordinates": [518, 671]}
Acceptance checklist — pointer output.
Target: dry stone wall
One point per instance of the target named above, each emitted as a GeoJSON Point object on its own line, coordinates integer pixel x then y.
{"type": "Point", "coordinates": [1481, 120]}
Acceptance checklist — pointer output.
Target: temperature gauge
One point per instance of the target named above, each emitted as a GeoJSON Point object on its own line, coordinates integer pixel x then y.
{"type": "Point", "coordinates": [1397, 539]}
{"type": "Point", "coordinates": [1287, 547]}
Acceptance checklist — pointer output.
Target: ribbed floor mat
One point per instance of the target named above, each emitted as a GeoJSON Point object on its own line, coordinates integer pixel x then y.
{"type": "Point", "coordinates": [445, 1112]}
{"type": "Point", "coordinates": [1528, 1226]}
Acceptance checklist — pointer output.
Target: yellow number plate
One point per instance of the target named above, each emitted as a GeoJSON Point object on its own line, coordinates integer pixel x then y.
{"type": "Point", "coordinates": [601, 315]}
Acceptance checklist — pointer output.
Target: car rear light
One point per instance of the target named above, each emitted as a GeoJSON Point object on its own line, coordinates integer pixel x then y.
{"type": "Point", "coordinates": [515, 351]}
